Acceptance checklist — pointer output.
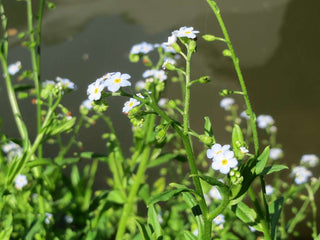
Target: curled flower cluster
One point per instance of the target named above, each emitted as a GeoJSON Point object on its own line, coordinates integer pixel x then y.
{"type": "Point", "coordinates": [223, 158]}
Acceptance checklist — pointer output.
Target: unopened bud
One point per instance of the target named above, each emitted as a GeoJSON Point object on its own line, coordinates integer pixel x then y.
{"type": "Point", "coordinates": [192, 45]}
{"type": "Point", "coordinates": [172, 104]}
{"type": "Point", "coordinates": [176, 47]}
{"type": "Point", "coordinates": [209, 37]}
{"type": "Point", "coordinates": [225, 92]}
{"type": "Point", "coordinates": [204, 79]}
{"type": "Point", "coordinates": [206, 139]}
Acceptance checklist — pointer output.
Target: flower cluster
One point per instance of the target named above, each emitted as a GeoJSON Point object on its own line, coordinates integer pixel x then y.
{"type": "Point", "coordinates": [154, 73]}
{"type": "Point", "coordinates": [301, 174]}
{"type": "Point", "coordinates": [264, 121]}
{"type": "Point", "coordinates": [310, 160]}
{"type": "Point", "coordinates": [223, 158]}
{"type": "Point", "coordinates": [12, 150]}
{"type": "Point", "coordinates": [112, 81]}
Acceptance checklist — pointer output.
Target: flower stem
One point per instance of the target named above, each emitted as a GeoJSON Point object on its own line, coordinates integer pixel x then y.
{"type": "Point", "coordinates": [127, 210]}
{"type": "Point", "coordinates": [235, 60]}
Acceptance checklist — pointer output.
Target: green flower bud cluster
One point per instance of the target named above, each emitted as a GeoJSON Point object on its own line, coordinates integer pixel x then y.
{"type": "Point", "coordinates": [206, 139]}
{"type": "Point", "coordinates": [136, 117]}
{"type": "Point", "coordinates": [235, 176]}
{"type": "Point", "coordinates": [100, 106]}
{"type": "Point", "coordinates": [161, 132]}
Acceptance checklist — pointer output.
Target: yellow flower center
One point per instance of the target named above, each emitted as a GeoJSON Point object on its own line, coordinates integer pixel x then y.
{"type": "Point", "coordinates": [187, 32]}
{"type": "Point", "coordinates": [130, 104]}
{"type": "Point", "coordinates": [219, 152]}
{"type": "Point", "coordinates": [96, 90]}
{"type": "Point", "coordinates": [117, 80]}
{"type": "Point", "coordinates": [224, 161]}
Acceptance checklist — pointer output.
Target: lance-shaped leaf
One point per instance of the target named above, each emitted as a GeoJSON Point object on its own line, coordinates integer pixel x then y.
{"type": "Point", "coordinates": [153, 220]}
{"type": "Point", "coordinates": [247, 215]}
{"type": "Point", "coordinates": [262, 160]}
{"type": "Point", "coordinates": [237, 141]}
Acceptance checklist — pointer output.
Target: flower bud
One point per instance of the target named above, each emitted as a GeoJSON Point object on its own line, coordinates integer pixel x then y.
{"type": "Point", "coordinates": [134, 58]}
{"type": "Point", "coordinates": [226, 53]}
{"type": "Point", "coordinates": [209, 37]}
{"type": "Point", "coordinates": [176, 47]}
{"type": "Point", "coordinates": [168, 66]}
{"type": "Point", "coordinates": [206, 139]}
{"type": "Point", "coordinates": [172, 104]}
{"type": "Point", "coordinates": [204, 79]}
{"type": "Point", "coordinates": [192, 45]}
{"type": "Point", "coordinates": [225, 92]}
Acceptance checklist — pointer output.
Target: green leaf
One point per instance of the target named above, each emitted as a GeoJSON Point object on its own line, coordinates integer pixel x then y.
{"type": "Point", "coordinates": [40, 162]}
{"type": "Point", "coordinates": [208, 127]}
{"type": "Point", "coordinates": [62, 126]}
{"type": "Point", "coordinates": [144, 192]}
{"type": "Point", "coordinates": [162, 159]}
{"type": "Point", "coordinates": [75, 176]}
{"type": "Point", "coordinates": [154, 221]}
{"type": "Point", "coordinates": [262, 160]}
{"type": "Point", "coordinates": [275, 209]}
{"type": "Point", "coordinates": [35, 228]}
{"type": "Point", "coordinates": [65, 161]}
{"type": "Point", "coordinates": [237, 141]}
{"type": "Point", "coordinates": [94, 155]}
{"type": "Point", "coordinates": [238, 192]}
{"type": "Point", "coordinates": [144, 231]}
{"type": "Point", "coordinates": [6, 227]}
{"type": "Point", "coordinates": [247, 215]}
{"type": "Point", "coordinates": [116, 196]}
{"type": "Point", "coordinates": [273, 168]}
{"type": "Point", "coordinates": [22, 87]}
{"type": "Point", "coordinates": [164, 196]}
{"type": "Point", "coordinates": [212, 181]}
{"type": "Point", "coordinates": [189, 236]}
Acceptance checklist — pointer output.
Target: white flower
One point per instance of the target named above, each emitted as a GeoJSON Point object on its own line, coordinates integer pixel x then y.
{"type": "Point", "coordinates": [48, 83]}
{"type": "Point", "coordinates": [218, 220]}
{"type": "Point", "coordinates": [269, 189]}
{"type": "Point", "coordinates": [48, 218]}
{"type": "Point", "coordinates": [12, 150]}
{"type": "Point", "coordinates": [244, 114]}
{"type": "Point", "coordinates": [301, 174]}
{"type": "Point", "coordinates": [140, 95]}
{"type": "Point", "coordinates": [140, 85]}
{"type": "Point", "coordinates": [171, 40]}
{"type": "Point", "coordinates": [168, 48]}
{"type": "Point", "coordinates": [160, 74]}
{"type": "Point", "coordinates": [129, 105]}
{"type": "Point", "coordinates": [162, 102]}
{"type": "Point", "coordinates": [244, 150]}
{"type": "Point", "coordinates": [116, 81]}
{"type": "Point", "coordinates": [252, 229]}
{"type": "Point", "coordinates": [217, 149]}
{"type": "Point", "coordinates": [66, 82]}
{"type": "Point", "coordinates": [143, 48]}
{"type": "Point", "coordinates": [214, 193]}
{"type": "Point", "coordinates": [148, 73]}
{"type": "Point", "coordinates": [20, 181]}
{"type": "Point", "coordinates": [94, 90]}
{"type": "Point", "coordinates": [275, 153]}
{"type": "Point", "coordinates": [68, 219]}
{"type": "Point", "coordinates": [224, 162]}
{"type": "Point", "coordinates": [226, 103]}
{"type": "Point", "coordinates": [14, 68]}
{"type": "Point", "coordinates": [185, 32]}
{"type": "Point", "coordinates": [264, 121]}
{"type": "Point", "coordinates": [195, 232]}
{"type": "Point", "coordinates": [310, 159]}
{"type": "Point", "coordinates": [86, 104]}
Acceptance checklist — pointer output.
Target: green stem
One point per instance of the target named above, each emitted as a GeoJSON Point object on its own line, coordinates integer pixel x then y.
{"type": "Point", "coordinates": [127, 210]}
{"type": "Point", "coordinates": [314, 211]}
{"type": "Point", "coordinates": [11, 94]}
{"type": "Point", "coordinates": [235, 60]}
{"type": "Point", "coordinates": [35, 60]}
{"type": "Point", "coordinates": [13, 102]}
